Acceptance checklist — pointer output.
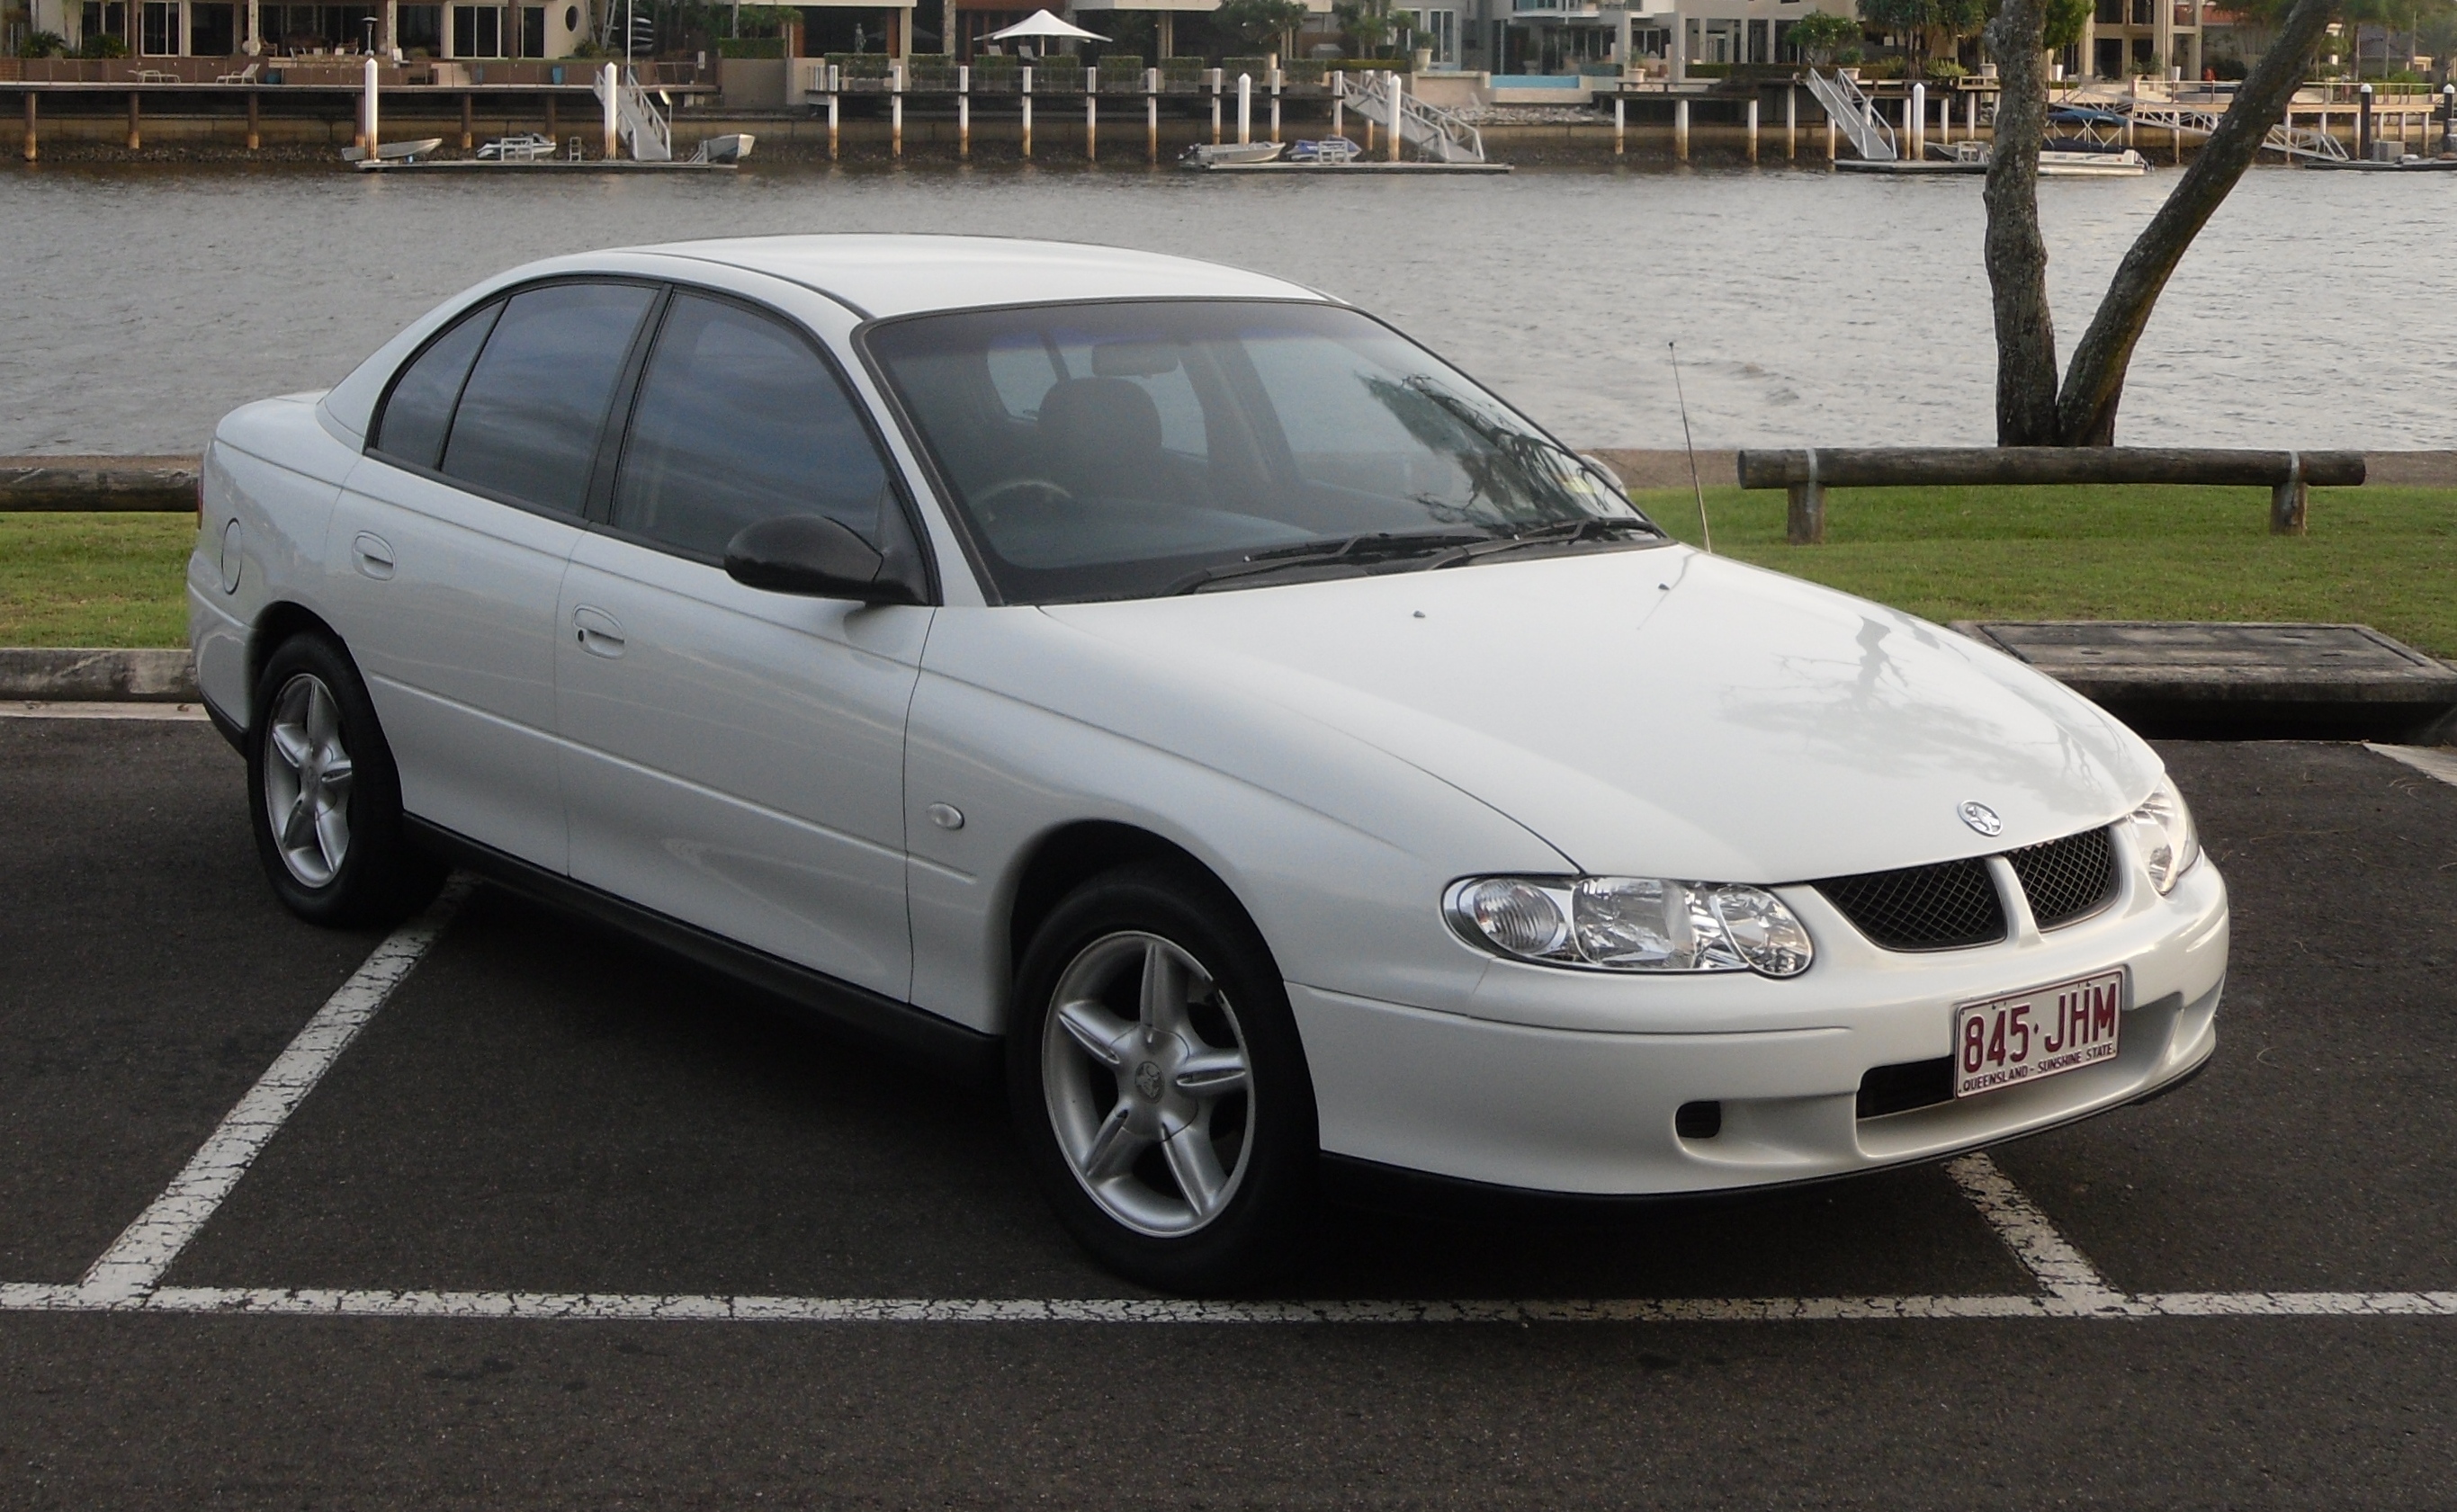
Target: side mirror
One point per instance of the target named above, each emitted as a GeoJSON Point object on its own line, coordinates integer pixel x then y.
{"type": "Point", "coordinates": [819, 557]}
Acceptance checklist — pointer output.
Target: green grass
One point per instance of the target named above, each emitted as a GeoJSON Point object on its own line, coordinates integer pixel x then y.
{"type": "Point", "coordinates": [95, 579]}
{"type": "Point", "coordinates": [2384, 557]}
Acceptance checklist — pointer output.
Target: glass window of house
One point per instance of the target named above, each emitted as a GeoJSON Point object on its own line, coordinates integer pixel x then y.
{"type": "Point", "coordinates": [534, 407]}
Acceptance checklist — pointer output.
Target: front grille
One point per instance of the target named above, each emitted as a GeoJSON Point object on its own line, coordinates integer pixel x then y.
{"type": "Point", "coordinates": [2067, 880]}
{"type": "Point", "coordinates": [1936, 907]}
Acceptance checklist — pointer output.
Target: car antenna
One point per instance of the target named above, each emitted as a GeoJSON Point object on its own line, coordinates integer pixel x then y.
{"type": "Point", "coordinates": [1705, 530]}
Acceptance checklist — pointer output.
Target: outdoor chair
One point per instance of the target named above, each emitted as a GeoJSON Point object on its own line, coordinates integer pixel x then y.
{"type": "Point", "coordinates": [245, 75]}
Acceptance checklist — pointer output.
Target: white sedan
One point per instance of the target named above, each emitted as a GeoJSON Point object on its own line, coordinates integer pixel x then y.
{"type": "Point", "coordinates": [1178, 688]}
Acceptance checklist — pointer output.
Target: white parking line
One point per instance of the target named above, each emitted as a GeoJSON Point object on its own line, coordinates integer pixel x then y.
{"type": "Point", "coordinates": [2045, 1254]}
{"type": "Point", "coordinates": [134, 1264]}
{"type": "Point", "coordinates": [2435, 761]}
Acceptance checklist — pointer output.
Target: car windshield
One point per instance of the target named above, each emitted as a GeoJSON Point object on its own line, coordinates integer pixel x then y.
{"type": "Point", "coordinates": [1130, 449]}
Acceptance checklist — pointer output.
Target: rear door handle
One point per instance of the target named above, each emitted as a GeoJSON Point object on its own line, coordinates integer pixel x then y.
{"type": "Point", "coordinates": [373, 555]}
{"type": "Point", "coordinates": [599, 633]}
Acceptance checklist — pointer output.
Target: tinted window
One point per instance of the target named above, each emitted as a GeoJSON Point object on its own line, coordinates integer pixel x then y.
{"type": "Point", "coordinates": [533, 411]}
{"type": "Point", "coordinates": [420, 411]}
{"type": "Point", "coordinates": [738, 421]}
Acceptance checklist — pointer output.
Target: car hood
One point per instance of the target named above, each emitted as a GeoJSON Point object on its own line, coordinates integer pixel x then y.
{"type": "Point", "coordinates": [1665, 712]}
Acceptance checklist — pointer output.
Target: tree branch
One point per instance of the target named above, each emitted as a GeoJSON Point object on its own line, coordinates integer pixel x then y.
{"type": "Point", "coordinates": [2095, 384]}
{"type": "Point", "coordinates": [2016, 254]}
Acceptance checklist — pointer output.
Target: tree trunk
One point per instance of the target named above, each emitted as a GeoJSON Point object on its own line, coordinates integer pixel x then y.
{"type": "Point", "coordinates": [2086, 410]}
{"type": "Point", "coordinates": [2017, 255]}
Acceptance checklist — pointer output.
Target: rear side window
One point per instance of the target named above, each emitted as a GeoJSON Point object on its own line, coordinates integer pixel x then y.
{"type": "Point", "coordinates": [740, 421]}
{"type": "Point", "coordinates": [534, 407]}
{"type": "Point", "coordinates": [419, 413]}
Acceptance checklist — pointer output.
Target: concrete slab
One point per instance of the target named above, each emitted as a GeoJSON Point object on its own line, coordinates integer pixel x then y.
{"type": "Point", "coordinates": [52, 673]}
{"type": "Point", "coordinates": [2201, 679]}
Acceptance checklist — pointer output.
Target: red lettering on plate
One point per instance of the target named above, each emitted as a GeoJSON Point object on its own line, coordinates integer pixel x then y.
{"type": "Point", "coordinates": [1996, 1041]}
{"type": "Point", "coordinates": [2019, 1021]}
{"type": "Point", "coordinates": [2102, 1012]}
{"type": "Point", "coordinates": [1974, 1044]}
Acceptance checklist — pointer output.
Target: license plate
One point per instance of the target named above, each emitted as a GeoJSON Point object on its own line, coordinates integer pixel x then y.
{"type": "Point", "coordinates": [2007, 1041]}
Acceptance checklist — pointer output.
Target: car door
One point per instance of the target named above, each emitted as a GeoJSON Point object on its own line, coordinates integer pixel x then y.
{"type": "Point", "coordinates": [734, 756]}
{"type": "Point", "coordinates": [448, 549]}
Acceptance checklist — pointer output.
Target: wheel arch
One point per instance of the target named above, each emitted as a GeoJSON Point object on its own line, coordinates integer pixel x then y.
{"type": "Point", "coordinates": [276, 623]}
{"type": "Point", "coordinates": [1072, 854]}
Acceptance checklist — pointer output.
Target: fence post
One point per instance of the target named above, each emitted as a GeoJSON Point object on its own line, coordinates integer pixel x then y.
{"type": "Point", "coordinates": [2288, 500]}
{"type": "Point", "coordinates": [1805, 520]}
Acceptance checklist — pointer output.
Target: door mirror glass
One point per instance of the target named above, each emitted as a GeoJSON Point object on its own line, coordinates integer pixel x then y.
{"type": "Point", "coordinates": [818, 557]}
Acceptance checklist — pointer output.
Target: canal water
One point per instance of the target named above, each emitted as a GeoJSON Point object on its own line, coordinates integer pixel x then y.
{"type": "Point", "coordinates": [2316, 310]}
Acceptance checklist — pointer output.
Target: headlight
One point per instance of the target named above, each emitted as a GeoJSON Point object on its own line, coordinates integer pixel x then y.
{"type": "Point", "coordinates": [2163, 830]}
{"type": "Point", "coordinates": [1630, 924]}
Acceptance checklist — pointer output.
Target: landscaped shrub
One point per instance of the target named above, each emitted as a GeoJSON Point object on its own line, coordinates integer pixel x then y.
{"type": "Point", "coordinates": [1258, 67]}
{"type": "Point", "coordinates": [1183, 71]}
{"type": "Point", "coordinates": [102, 45]}
{"type": "Point", "coordinates": [743, 47]}
{"type": "Point", "coordinates": [1122, 73]}
{"type": "Point", "coordinates": [43, 45]}
{"type": "Point", "coordinates": [1882, 69]}
{"type": "Point", "coordinates": [1945, 70]}
{"type": "Point", "coordinates": [1303, 72]}
{"type": "Point", "coordinates": [860, 65]}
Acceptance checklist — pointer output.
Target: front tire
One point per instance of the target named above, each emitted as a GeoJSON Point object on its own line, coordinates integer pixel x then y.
{"type": "Point", "coordinates": [325, 795]}
{"type": "Point", "coordinates": [1158, 1083]}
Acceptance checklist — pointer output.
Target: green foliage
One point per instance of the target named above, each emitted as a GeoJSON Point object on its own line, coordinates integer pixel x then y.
{"type": "Point", "coordinates": [43, 45]}
{"type": "Point", "coordinates": [1373, 25]}
{"type": "Point", "coordinates": [761, 21]}
{"type": "Point", "coordinates": [861, 65]}
{"type": "Point", "coordinates": [997, 65]}
{"type": "Point", "coordinates": [102, 45]}
{"type": "Point", "coordinates": [1183, 71]}
{"type": "Point", "coordinates": [1122, 72]}
{"type": "Point", "coordinates": [747, 46]}
{"type": "Point", "coordinates": [2064, 21]}
{"type": "Point", "coordinates": [1945, 70]}
{"type": "Point", "coordinates": [1821, 36]}
{"type": "Point", "coordinates": [1259, 69]}
{"type": "Point", "coordinates": [1882, 69]}
{"type": "Point", "coordinates": [1259, 21]}
{"type": "Point", "coordinates": [1305, 72]}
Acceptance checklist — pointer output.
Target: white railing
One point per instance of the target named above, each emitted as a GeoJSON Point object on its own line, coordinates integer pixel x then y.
{"type": "Point", "coordinates": [1434, 132]}
{"type": "Point", "coordinates": [1851, 111]}
{"type": "Point", "coordinates": [652, 139]}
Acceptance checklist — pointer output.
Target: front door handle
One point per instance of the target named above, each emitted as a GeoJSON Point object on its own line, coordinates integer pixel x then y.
{"type": "Point", "coordinates": [373, 555]}
{"type": "Point", "coordinates": [599, 633]}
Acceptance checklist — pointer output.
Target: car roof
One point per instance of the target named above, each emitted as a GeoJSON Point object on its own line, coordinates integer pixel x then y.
{"type": "Point", "coordinates": [883, 275]}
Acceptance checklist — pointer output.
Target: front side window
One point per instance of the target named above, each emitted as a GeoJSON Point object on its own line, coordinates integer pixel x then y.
{"type": "Point", "coordinates": [739, 420]}
{"type": "Point", "coordinates": [1123, 450]}
{"type": "Point", "coordinates": [534, 409]}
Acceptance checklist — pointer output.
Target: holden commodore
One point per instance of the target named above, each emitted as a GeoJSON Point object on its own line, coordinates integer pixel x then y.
{"type": "Point", "coordinates": [1175, 690]}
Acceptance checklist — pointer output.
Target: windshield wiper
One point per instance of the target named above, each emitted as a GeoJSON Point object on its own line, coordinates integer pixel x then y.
{"type": "Point", "coordinates": [1361, 550]}
{"type": "Point", "coordinates": [1561, 533]}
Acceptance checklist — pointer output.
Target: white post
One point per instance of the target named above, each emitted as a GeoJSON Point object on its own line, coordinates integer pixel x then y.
{"type": "Point", "coordinates": [1621, 122]}
{"type": "Point", "coordinates": [1245, 109]}
{"type": "Point", "coordinates": [835, 84]}
{"type": "Point", "coordinates": [1151, 113]}
{"type": "Point", "coordinates": [895, 109]}
{"type": "Point", "coordinates": [1791, 121]}
{"type": "Point", "coordinates": [1338, 102]}
{"type": "Point", "coordinates": [1091, 114]}
{"type": "Point", "coordinates": [613, 121]}
{"type": "Point", "coordinates": [1681, 129]}
{"type": "Point", "coordinates": [1753, 128]}
{"type": "Point", "coordinates": [1275, 105]}
{"type": "Point", "coordinates": [1944, 119]}
{"type": "Point", "coordinates": [1971, 117]}
{"type": "Point", "coordinates": [964, 111]}
{"type": "Point", "coordinates": [1215, 105]}
{"type": "Point", "coordinates": [1395, 114]}
{"type": "Point", "coordinates": [1028, 112]}
{"type": "Point", "coordinates": [1917, 148]}
{"type": "Point", "coordinates": [256, 30]}
{"type": "Point", "coordinates": [370, 123]}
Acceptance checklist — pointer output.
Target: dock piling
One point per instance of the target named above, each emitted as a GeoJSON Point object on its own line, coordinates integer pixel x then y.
{"type": "Point", "coordinates": [32, 152]}
{"type": "Point", "coordinates": [553, 120]}
{"type": "Point", "coordinates": [1829, 139]}
{"type": "Point", "coordinates": [1275, 105]}
{"type": "Point", "coordinates": [1681, 129]}
{"type": "Point", "coordinates": [1915, 117]}
{"type": "Point", "coordinates": [1091, 114]}
{"type": "Point", "coordinates": [1791, 121]}
{"type": "Point", "coordinates": [1753, 128]}
{"type": "Point", "coordinates": [1396, 85]}
{"type": "Point", "coordinates": [468, 125]}
{"type": "Point", "coordinates": [135, 115]}
{"type": "Point", "coordinates": [1621, 123]}
{"type": "Point", "coordinates": [964, 111]}
{"type": "Point", "coordinates": [255, 121]}
{"type": "Point", "coordinates": [1216, 106]}
{"type": "Point", "coordinates": [836, 123]}
{"type": "Point", "coordinates": [1151, 115]}
{"type": "Point", "coordinates": [611, 121]}
{"type": "Point", "coordinates": [895, 111]}
{"type": "Point", "coordinates": [1027, 110]}
{"type": "Point", "coordinates": [1245, 109]}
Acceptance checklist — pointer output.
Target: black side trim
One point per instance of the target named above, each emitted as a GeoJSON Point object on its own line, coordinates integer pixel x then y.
{"type": "Point", "coordinates": [871, 1019]}
{"type": "Point", "coordinates": [229, 728]}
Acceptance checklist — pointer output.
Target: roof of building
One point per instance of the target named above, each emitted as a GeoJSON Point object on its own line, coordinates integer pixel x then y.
{"type": "Point", "coordinates": [903, 274]}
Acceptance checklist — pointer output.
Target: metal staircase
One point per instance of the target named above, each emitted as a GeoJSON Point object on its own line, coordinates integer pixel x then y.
{"type": "Point", "coordinates": [2197, 119]}
{"type": "Point", "coordinates": [1435, 132]}
{"type": "Point", "coordinates": [1848, 107]}
{"type": "Point", "coordinates": [652, 139]}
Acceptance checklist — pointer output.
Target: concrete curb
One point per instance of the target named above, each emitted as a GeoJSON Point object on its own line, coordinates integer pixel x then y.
{"type": "Point", "coordinates": [152, 484]}
{"type": "Point", "coordinates": [80, 673]}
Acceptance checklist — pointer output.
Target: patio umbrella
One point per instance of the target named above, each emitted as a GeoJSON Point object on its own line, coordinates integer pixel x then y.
{"type": "Point", "coordinates": [1041, 24]}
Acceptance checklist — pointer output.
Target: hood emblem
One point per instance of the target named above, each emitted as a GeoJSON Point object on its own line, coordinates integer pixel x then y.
{"type": "Point", "coordinates": [1980, 817]}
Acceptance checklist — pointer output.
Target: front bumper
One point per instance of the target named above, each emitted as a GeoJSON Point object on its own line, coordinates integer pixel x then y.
{"type": "Point", "coordinates": [1570, 1082]}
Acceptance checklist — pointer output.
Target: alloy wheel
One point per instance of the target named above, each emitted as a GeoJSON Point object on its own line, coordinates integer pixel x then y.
{"type": "Point", "coordinates": [1150, 1088]}
{"type": "Point", "coordinates": [307, 775]}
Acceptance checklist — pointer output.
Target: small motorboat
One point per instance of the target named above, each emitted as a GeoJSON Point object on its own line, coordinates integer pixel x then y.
{"type": "Point", "coordinates": [1206, 155]}
{"type": "Point", "coordinates": [732, 148]}
{"type": "Point", "coordinates": [1330, 151]}
{"type": "Point", "coordinates": [2096, 162]}
{"type": "Point", "coordinates": [394, 151]}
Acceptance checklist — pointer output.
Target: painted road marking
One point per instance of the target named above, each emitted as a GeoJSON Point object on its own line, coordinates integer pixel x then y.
{"type": "Point", "coordinates": [2045, 1254]}
{"type": "Point", "coordinates": [134, 1264]}
{"type": "Point", "coordinates": [2436, 761]}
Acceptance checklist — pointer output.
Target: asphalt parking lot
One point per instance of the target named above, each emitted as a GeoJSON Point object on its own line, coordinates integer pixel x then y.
{"type": "Point", "coordinates": [569, 1221]}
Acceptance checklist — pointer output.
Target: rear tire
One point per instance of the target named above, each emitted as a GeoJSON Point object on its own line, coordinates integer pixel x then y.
{"type": "Point", "coordinates": [1158, 1083]}
{"type": "Point", "coordinates": [324, 796]}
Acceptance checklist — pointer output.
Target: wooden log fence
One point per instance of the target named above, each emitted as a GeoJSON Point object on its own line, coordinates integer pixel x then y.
{"type": "Point", "coordinates": [1805, 474]}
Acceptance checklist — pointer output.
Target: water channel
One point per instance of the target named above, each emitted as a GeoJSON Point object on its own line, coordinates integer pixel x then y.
{"type": "Point", "coordinates": [2316, 310]}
